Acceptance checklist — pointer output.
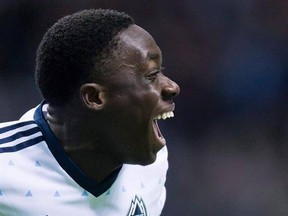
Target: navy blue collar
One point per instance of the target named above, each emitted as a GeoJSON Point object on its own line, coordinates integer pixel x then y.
{"type": "Point", "coordinates": [66, 162]}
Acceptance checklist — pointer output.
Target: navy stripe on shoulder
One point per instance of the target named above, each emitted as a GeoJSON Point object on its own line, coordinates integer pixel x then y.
{"type": "Point", "coordinates": [14, 126]}
{"type": "Point", "coordinates": [19, 135]}
{"type": "Point", "coordinates": [22, 145]}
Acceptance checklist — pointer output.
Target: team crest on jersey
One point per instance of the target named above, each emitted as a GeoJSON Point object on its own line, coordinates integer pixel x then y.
{"type": "Point", "coordinates": [137, 207]}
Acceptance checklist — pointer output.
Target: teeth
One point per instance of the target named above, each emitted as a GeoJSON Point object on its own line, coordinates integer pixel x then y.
{"type": "Point", "coordinates": [163, 116]}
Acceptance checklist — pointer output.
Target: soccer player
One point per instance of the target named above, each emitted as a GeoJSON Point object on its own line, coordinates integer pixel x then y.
{"type": "Point", "coordinates": [93, 146]}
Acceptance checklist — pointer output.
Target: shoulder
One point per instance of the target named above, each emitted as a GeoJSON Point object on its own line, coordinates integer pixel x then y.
{"type": "Point", "coordinates": [17, 135]}
{"type": "Point", "coordinates": [28, 115]}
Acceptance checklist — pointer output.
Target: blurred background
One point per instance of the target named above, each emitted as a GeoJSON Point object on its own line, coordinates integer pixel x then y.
{"type": "Point", "coordinates": [227, 142]}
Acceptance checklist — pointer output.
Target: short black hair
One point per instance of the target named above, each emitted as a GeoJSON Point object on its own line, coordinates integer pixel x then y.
{"type": "Point", "coordinates": [71, 48]}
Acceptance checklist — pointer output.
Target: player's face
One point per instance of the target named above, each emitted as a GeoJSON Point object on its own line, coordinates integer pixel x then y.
{"type": "Point", "coordinates": [139, 93]}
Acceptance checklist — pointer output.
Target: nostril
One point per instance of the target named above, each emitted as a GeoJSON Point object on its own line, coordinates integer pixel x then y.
{"type": "Point", "coordinates": [167, 97]}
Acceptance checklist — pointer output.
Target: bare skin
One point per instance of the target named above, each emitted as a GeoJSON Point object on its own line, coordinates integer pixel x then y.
{"type": "Point", "coordinates": [107, 125]}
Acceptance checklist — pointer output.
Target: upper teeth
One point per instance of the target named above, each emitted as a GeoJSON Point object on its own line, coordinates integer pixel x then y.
{"type": "Point", "coordinates": [165, 115]}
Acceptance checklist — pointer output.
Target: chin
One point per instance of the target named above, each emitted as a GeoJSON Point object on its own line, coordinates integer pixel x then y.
{"type": "Point", "coordinates": [148, 160]}
{"type": "Point", "coordinates": [143, 161]}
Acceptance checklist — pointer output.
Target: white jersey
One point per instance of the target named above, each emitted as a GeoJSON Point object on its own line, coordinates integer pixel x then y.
{"type": "Point", "coordinates": [38, 178]}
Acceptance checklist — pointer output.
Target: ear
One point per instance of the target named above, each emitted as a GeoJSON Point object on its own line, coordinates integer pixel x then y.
{"type": "Point", "coordinates": [93, 96]}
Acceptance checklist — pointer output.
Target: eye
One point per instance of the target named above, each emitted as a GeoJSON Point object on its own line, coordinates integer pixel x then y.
{"type": "Point", "coordinates": [153, 76]}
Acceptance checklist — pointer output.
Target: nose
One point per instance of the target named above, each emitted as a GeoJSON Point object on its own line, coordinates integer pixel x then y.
{"type": "Point", "coordinates": [170, 90]}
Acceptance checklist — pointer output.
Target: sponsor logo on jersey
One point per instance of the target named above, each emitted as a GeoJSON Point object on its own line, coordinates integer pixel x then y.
{"type": "Point", "coordinates": [137, 207]}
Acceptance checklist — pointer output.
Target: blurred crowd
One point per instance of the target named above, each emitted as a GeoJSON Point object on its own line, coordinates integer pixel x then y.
{"type": "Point", "coordinates": [228, 151]}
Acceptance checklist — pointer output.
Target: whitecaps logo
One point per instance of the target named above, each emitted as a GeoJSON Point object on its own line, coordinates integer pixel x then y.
{"type": "Point", "coordinates": [137, 207]}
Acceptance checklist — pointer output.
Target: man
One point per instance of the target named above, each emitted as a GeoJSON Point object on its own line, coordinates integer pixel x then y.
{"type": "Point", "coordinates": [82, 151]}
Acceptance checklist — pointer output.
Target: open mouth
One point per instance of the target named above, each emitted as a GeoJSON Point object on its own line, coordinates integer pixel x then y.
{"type": "Point", "coordinates": [156, 128]}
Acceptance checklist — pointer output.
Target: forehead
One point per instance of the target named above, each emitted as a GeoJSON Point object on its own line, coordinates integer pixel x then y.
{"type": "Point", "coordinates": [138, 45]}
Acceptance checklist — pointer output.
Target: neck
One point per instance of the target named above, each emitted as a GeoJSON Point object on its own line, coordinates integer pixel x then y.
{"type": "Point", "coordinates": [85, 147]}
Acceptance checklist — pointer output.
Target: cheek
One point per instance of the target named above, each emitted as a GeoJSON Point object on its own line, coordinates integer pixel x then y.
{"type": "Point", "coordinates": [147, 96]}
{"type": "Point", "coordinates": [143, 106]}
{"type": "Point", "coordinates": [150, 100]}
{"type": "Point", "coordinates": [136, 106]}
